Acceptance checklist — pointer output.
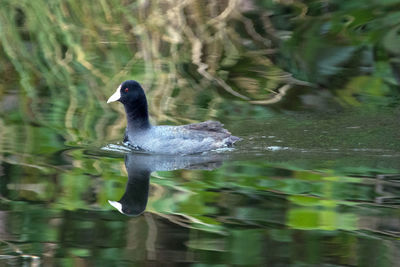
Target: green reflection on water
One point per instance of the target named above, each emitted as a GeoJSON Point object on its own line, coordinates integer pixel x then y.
{"type": "Point", "coordinates": [316, 185]}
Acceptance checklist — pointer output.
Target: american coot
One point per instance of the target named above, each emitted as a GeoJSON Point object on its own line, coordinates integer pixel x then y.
{"type": "Point", "coordinates": [185, 139]}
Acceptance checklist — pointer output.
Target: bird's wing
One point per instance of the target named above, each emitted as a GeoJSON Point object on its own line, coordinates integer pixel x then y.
{"type": "Point", "coordinates": [211, 126]}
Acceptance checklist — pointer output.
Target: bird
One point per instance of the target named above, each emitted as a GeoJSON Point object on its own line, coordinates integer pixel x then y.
{"type": "Point", "coordinates": [140, 134]}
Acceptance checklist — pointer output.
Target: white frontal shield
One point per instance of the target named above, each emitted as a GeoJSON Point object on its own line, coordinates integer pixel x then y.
{"type": "Point", "coordinates": [116, 96]}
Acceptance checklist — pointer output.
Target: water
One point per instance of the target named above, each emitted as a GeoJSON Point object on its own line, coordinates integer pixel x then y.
{"type": "Point", "coordinates": [311, 87]}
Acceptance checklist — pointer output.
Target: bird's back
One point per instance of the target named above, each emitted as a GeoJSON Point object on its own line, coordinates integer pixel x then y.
{"type": "Point", "coordinates": [185, 139]}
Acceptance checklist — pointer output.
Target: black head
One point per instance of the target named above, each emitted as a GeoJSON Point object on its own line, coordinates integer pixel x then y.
{"type": "Point", "coordinates": [128, 92]}
{"type": "Point", "coordinates": [131, 94]}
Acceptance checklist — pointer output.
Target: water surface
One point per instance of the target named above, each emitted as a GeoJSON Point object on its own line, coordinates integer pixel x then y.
{"type": "Point", "coordinates": [311, 87]}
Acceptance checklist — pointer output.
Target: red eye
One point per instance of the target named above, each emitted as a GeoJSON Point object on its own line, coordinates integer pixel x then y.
{"type": "Point", "coordinates": [126, 90]}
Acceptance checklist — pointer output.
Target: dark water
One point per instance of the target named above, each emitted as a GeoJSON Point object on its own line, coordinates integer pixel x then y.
{"type": "Point", "coordinates": [312, 88]}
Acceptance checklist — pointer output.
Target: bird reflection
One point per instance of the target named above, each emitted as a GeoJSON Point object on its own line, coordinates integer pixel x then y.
{"type": "Point", "coordinates": [139, 168]}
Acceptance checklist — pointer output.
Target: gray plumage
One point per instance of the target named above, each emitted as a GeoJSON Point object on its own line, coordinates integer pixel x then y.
{"type": "Point", "coordinates": [186, 139]}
